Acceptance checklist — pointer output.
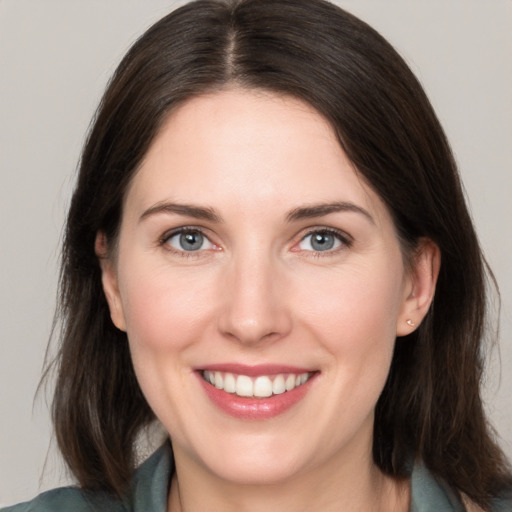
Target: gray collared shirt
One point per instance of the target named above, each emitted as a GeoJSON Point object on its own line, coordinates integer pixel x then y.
{"type": "Point", "coordinates": [150, 487]}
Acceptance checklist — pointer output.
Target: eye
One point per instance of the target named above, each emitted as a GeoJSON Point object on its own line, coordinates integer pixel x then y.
{"type": "Point", "coordinates": [189, 240]}
{"type": "Point", "coordinates": [322, 241]}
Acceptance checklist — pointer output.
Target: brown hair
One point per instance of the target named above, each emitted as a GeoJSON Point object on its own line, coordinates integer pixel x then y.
{"type": "Point", "coordinates": [430, 407]}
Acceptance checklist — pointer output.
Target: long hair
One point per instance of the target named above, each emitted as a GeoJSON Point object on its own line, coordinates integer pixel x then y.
{"type": "Point", "coordinates": [430, 408]}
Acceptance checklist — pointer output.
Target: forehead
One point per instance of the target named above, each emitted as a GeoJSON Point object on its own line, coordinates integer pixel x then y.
{"type": "Point", "coordinates": [248, 149]}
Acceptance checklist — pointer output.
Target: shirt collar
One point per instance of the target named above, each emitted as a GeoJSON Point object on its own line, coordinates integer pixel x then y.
{"type": "Point", "coordinates": [150, 486]}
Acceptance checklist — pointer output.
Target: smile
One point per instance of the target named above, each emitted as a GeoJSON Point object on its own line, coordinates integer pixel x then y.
{"type": "Point", "coordinates": [262, 386]}
{"type": "Point", "coordinates": [256, 392]}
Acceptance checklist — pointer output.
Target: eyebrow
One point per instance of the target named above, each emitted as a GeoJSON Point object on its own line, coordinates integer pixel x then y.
{"type": "Point", "coordinates": [300, 213]}
{"type": "Point", "coordinates": [197, 212]}
{"type": "Point", "coordinates": [321, 209]}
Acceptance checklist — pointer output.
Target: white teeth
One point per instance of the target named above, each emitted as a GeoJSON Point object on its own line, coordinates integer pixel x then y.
{"type": "Point", "coordinates": [278, 386]}
{"type": "Point", "coordinates": [261, 387]}
{"type": "Point", "coordinates": [219, 380]}
{"type": "Point", "coordinates": [229, 383]}
{"type": "Point", "coordinates": [244, 386]}
{"type": "Point", "coordinates": [290, 382]}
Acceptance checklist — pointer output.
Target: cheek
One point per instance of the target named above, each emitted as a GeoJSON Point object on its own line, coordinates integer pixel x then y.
{"type": "Point", "coordinates": [353, 315]}
{"type": "Point", "coordinates": [164, 310]}
{"type": "Point", "coordinates": [166, 316]}
{"type": "Point", "coordinates": [359, 306]}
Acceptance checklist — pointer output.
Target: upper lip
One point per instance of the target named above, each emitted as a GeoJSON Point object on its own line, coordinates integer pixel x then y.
{"type": "Point", "coordinates": [253, 370]}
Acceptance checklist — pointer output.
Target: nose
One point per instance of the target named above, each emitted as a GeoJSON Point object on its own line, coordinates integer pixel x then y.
{"type": "Point", "coordinates": [254, 306]}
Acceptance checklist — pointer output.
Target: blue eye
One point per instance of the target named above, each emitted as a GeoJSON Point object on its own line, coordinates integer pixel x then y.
{"type": "Point", "coordinates": [189, 240]}
{"type": "Point", "coordinates": [321, 241]}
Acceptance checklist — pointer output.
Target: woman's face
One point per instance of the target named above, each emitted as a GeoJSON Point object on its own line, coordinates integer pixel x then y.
{"type": "Point", "coordinates": [252, 255]}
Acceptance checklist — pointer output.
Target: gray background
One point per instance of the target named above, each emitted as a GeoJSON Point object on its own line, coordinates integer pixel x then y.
{"type": "Point", "coordinates": [55, 58]}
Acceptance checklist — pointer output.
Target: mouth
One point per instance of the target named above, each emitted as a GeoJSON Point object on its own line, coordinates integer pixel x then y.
{"type": "Point", "coordinates": [255, 392]}
{"type": "Point", "coordinates": [262, 386]}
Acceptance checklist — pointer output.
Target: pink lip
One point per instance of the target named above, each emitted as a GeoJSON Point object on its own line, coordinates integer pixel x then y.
{"type": "Point", "coordinates": [254, 370]}
{"type": "Point", "coordinates": [254, 408]}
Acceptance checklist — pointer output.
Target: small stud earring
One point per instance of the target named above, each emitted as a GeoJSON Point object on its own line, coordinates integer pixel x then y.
{"type": "Point", "coordinates": [410, 322]}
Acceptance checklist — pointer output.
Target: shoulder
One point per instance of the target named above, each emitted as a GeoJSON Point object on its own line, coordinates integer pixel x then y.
{"type": "Point", "coordinates": [430, 494]}
{"type": "Point", "coordinates": [148, 491]}
{"type": "Point", "coordinates": [65, 499]}
{"type": "Point", "coordinates": [503, 504]}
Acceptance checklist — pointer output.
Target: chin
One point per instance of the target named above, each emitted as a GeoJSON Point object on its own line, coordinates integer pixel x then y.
{"type": "Point", "coordinates": [252, 459]}
{"type": "Point", "coordinates": [257, 472]}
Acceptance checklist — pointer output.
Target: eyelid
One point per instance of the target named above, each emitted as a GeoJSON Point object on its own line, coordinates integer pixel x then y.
{"type": "Point", "coordinates": [167, 235]}
{"type": "Point", "coordinates": [346, 239]}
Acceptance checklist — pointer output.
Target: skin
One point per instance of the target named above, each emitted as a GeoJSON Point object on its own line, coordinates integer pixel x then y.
{"type": "Point", "coordinates": [256, 292]}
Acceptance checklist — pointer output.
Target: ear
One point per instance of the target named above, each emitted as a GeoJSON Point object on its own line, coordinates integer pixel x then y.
{"type": "Point", "coordinates": [420, 287]}
{"type": "Point", "coordinates": [109, 281]}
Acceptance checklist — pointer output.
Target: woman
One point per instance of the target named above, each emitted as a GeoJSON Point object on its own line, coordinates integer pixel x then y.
{"type": "Point", "coordinates": [268, 250]}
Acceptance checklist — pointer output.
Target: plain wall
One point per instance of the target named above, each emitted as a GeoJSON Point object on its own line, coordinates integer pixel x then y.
{"type": "Point", "coordinates": [55, 58]}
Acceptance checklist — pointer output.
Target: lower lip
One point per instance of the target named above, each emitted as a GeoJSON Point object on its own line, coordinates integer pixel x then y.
{"type": "Point", "coordinates": [255, 408]}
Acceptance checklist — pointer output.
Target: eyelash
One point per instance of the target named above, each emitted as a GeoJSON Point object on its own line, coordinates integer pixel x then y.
{"type": "Point", "coordinates": [164, 241]}
{"type": "Point", "coordinates": [345, 241]}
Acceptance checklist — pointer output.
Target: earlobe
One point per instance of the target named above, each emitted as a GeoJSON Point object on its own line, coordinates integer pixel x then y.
{"type": "Point", "coordinates": [109, 281]}
{"type": "Point", "coordinates": [421, 287]}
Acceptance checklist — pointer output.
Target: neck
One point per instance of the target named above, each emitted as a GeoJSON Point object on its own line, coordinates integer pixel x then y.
{"type": "Point", "coordinates": [350, 487]}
